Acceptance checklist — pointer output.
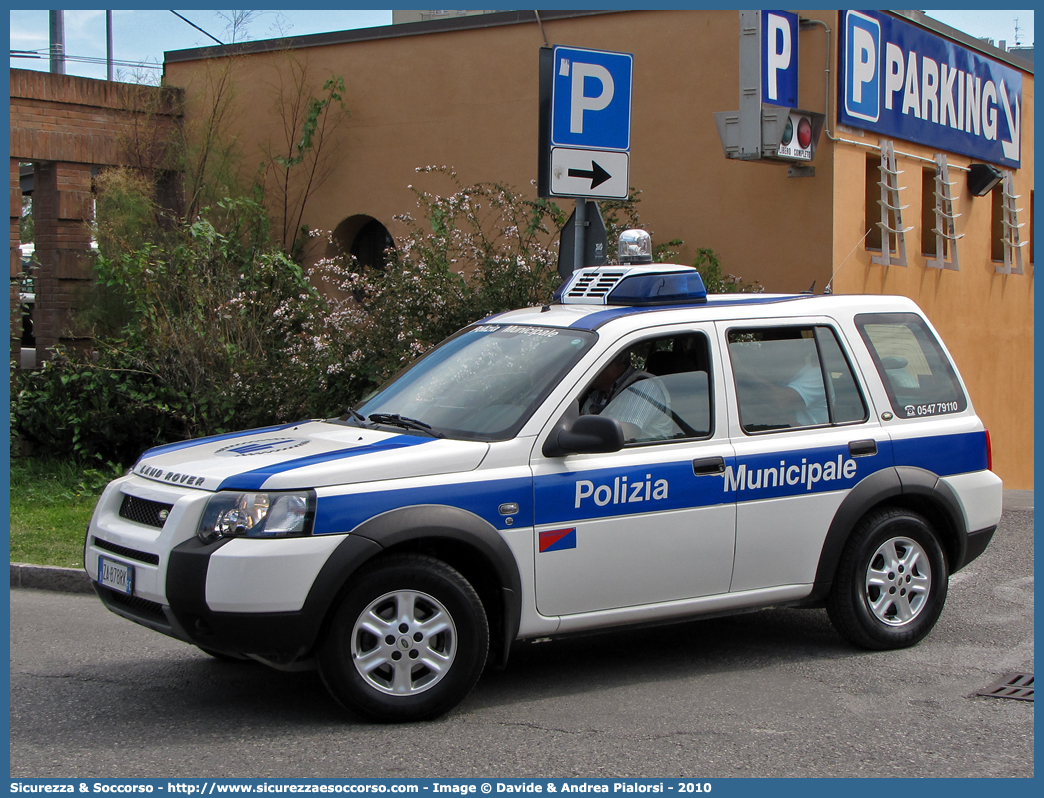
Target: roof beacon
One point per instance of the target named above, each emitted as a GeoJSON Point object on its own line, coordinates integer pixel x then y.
{"type": "Point", "coordinates": [642, 284]}
{"type": "Point", "coordinates": [635, 246]}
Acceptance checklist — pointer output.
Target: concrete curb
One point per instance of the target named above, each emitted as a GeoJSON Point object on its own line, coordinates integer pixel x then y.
{"type": "Point", "coordinates": [50, 577]}
{"type": "Point", "coordinates": [75, 580]}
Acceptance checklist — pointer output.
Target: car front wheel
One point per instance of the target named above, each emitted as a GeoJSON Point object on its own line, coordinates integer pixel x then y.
{"type": "Point", "coordinates": [891, 581]}
{"type": "Point", "coordinates": [408, 641]}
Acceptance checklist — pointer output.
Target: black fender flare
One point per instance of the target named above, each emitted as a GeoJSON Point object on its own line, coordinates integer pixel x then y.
{"type": "Point", "coordinates": [908, 486]}
{"type": "Point", "coordinates": [431, 522]}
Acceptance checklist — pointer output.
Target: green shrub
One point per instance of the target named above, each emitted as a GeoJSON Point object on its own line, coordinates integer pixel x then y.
{"type": "Point", "coordinates": [193, 331]}
{"type": "Point", "coordinates": [478, 250]}
{"type": "Point", "coordinates": [207, 326]}
{"type": "Point", "coordinates": [73, 407]}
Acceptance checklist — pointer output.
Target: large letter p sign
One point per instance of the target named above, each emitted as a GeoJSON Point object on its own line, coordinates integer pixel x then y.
{"type": "Point", "coordinates": [779, 62]}
{"type": "Point", "coordinates": [861, 59]}
{"type": "Point", "coordinates": [580, 102]}
{"type": "Point", "coordinates": [591, 99]}
{"type": "Point", "coordinates": [779, 54]}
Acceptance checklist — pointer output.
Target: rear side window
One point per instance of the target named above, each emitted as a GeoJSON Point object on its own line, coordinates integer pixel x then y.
{"type": "Point", "coordinates": [788, 377]}
{"type": "Point", "coordinates": [917, 374]}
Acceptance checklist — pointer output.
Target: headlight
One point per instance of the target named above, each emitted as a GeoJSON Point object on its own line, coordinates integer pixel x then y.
{"type": "Point", "coordinates": [258, 515]}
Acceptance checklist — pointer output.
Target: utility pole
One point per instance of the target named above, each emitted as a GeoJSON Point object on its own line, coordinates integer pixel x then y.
{"type": "Point", "coordinates": [57, 42]}
{"type": "Point", "coordinates": [108, 44]}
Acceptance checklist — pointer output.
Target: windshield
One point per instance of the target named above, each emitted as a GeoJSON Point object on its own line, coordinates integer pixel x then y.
{"type": "Point", "coordinates": [483, 383]}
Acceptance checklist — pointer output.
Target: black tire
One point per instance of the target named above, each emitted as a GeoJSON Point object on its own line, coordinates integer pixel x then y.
{"type": "Point", "coordinates": [891, 581]}
{"type": "Point", "coordinates": [379, 660]}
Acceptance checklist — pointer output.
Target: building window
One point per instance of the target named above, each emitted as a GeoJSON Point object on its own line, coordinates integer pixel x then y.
{"type": "Point", "coordinates": [1006, 239]}
{"type": "Point", "coordinates": [873, 198]}
{"type": "Point", "coordinates": [928, 237]}
{"type": "Point", "coordinates": [997, 224]}
{"type": "Point", "coordinates": [884, 209]}
{"type": "Point", "coordinates": [370, 245]}
{"type": "Point", "coordinates": [365, 239]}
{"type": "Point", "coordinates": [939, 235]}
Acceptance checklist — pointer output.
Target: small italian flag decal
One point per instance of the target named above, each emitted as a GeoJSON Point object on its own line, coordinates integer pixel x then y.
{"type": "Point", "coordinates": [558, 539]}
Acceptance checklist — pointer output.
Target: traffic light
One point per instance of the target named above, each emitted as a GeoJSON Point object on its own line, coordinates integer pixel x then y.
{"type": "Point", "coordinates": [767, 126]}
{"type": "Point", "coordinates": [788, 135]}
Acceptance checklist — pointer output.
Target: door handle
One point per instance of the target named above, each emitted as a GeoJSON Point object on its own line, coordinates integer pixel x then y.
{"type": "Point", "coordinates": [862, 448]}
{"type": "Point", "coordinates": [702, 466]}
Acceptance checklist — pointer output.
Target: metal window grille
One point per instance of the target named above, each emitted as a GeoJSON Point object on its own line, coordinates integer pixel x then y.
{"type": "Point", "coordinates": [945, 231]}
{"type": "Point", "coordinates": [891, 223]}
{"type": "Point", "coordinates": [1010, 228]}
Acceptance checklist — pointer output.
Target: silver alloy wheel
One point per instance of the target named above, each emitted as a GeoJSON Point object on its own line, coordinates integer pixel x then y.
{"type": "Point", "coordinates": [898, 581]}
{"type": "Point", "coordinates": [404, 643]}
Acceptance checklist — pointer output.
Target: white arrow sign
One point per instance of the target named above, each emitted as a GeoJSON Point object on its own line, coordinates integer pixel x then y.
{"type": "Point", "coordinates": [589, 173]}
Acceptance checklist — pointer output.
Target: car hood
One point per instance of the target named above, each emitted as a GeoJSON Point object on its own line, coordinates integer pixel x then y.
{"type": "Point", "coordinates": [309, 454]}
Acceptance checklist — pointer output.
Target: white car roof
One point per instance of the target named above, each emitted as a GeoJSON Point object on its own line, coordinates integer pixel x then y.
{"type": "Point", "coordinates": [718, 307]}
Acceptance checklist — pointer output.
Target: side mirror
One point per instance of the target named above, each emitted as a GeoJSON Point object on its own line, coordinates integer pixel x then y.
{"type": "Point", "coordinates": [585, 435]}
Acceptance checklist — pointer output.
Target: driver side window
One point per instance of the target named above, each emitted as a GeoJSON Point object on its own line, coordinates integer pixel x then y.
{"type": "Point", "coordinates": [657, 389]}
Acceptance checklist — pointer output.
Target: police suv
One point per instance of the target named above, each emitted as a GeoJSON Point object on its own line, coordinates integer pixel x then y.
{"type": "Point", "coordinates": [635, 452]}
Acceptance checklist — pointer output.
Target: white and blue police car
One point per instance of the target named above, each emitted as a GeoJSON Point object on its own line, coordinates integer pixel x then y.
{"type": "Point", "coordinates": [635, 452]}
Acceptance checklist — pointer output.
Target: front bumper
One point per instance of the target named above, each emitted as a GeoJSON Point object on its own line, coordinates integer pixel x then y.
{"type": "Point", "coordinates": [265, 598]}
{"type": "Point", "coordinates": [278, 637]}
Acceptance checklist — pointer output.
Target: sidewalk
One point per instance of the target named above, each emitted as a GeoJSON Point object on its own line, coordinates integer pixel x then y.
{"type": "Point", "coordinates": [1018, 500]}
{"type": "Point", "coordinates": [75, 580]}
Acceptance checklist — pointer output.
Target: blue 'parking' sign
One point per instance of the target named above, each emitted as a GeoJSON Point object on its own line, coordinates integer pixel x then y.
{"type": "Point", "coordinates": [591, 99]}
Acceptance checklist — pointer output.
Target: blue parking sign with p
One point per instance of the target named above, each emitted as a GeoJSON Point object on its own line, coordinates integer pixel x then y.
{"type": "Point", "coordinates": [862, 73]}
{"type": "Point", "coordinates": [779, 58]}
{"type": "Point", "coordinates": [591, 99]}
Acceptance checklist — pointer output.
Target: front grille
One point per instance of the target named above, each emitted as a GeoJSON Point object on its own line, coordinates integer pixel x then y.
{"type": "Point", "coordinates": [138, 606]}
{"type": "Point", "coordinates": [123, 551]}
{"type": "Point", "coordinates": [143, 511]}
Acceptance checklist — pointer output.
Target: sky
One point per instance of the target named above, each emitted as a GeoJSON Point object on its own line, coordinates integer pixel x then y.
{"type": "Point", "coordinates": [141, 37]}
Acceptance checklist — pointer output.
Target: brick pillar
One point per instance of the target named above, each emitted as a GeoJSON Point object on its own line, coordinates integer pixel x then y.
{"type": "Point", "coordinates": [62, 204]}
{"type": "Point", "coordinates": [16, 262]}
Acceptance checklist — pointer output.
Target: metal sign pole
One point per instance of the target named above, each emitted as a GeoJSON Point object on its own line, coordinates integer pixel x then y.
{"type": "Point", "coordinates": [579, 232]}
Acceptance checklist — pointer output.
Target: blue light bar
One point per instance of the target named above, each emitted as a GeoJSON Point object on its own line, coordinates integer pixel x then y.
{"type": "Point", "coordinates": [659, 289]}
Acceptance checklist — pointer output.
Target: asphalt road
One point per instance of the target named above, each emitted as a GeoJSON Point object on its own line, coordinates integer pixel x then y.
{"type": "Point", "coordinates": [775, 693]}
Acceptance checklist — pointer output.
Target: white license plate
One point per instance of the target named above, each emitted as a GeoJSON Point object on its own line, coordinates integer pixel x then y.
{"type": "Point", "coordinates": [117, 575]}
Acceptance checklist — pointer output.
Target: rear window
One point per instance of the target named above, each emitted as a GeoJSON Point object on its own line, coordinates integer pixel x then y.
{"type": "Point", "coordinates": [917, 374]}
{"type": "Point", "coordinates": [789, 377]}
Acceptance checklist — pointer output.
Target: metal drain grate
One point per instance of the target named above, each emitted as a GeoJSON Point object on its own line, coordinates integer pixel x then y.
{"type": "Point", "coordinates": [1014, 685]}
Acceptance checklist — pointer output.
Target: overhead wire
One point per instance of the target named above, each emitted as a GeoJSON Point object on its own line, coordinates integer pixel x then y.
{"type": "Point", "coordinates": [48, 52]}
{"type": "Point", "coordinates": [84, 59]}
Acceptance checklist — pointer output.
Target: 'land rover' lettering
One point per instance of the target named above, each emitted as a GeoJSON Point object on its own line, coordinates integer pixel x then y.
{"type": "Point", "coordinates": [169, 476]}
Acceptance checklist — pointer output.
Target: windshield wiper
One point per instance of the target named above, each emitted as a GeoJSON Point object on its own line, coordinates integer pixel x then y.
{"type": "Point", "coordinates": [358, 417]}
{"type": "Point", "coordinates": [395, 420]}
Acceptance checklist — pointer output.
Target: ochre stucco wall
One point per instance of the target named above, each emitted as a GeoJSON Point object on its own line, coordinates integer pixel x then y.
{"type": "Point", "coordinates": [468, 99]}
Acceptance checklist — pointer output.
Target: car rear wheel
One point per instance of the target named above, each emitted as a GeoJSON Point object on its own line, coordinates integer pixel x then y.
{"type": "Point", "coordinates": [408, 641]}
{"type": "Point", "coordinates": [891, 581]}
